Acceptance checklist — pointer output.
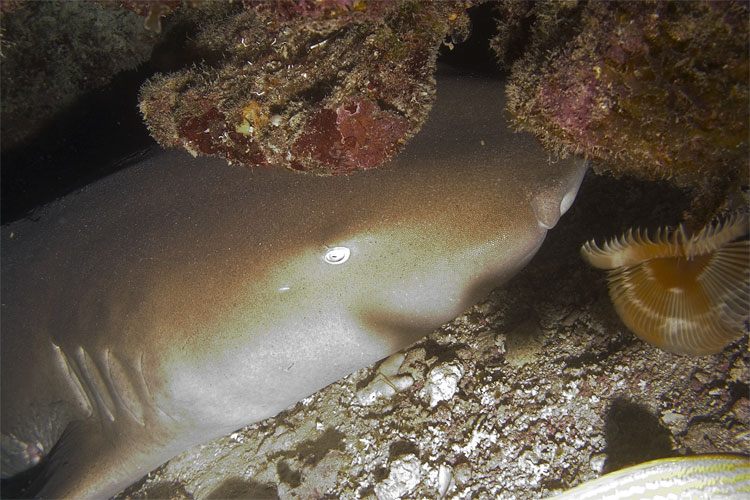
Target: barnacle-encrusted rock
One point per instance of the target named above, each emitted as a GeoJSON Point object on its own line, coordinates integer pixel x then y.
{"type": "Point", "coordinates": [658, 90]}
{"type": "Point", "coordinates": [325, 87]}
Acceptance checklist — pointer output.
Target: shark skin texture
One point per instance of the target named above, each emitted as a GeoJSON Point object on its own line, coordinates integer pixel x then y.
{"type": "Point", "coordinates": [181, 298]}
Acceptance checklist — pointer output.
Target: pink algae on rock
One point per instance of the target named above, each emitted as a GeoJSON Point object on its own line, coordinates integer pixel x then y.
{"type": "Point", "coordinates": [208, 134]}
{"type": "Point", "coordinates": [354, 137]}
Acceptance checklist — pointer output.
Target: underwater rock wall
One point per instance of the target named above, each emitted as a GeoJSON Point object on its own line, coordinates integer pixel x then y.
{"type": "Point", "coordinates": [323, 87]}
{"type": "Point", "coordinates": [53, 52]}
{"type": "Point", "coordinates": [658, 90]}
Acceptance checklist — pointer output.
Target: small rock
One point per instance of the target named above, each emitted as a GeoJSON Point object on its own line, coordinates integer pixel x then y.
{"type": "Point", "coordinates": [404, 476]}
{"type": "Point", "coordinates": [442, 382]}
{"type": "Point", "coordinates": [387, 382]}
{"type": "Point", "coordinates": [597, 462]}
{"type": "Point", "coordinates": [675, 420]}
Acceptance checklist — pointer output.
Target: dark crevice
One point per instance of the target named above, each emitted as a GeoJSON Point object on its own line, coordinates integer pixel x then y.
{"type": "Point", "coordinates": [88, 141]}
{"type": "Point", "coordinates": [401, 448]}
{"type": "Point", "coordinates": [633, 435]}
{"type": "Point", "coordinates": [591, 358]}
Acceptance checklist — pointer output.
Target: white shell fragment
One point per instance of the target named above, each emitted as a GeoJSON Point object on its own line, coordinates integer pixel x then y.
{"type": "Point", "coordinates": [445, 480]}
{"type": "Point", "coordinates": [337, 255]}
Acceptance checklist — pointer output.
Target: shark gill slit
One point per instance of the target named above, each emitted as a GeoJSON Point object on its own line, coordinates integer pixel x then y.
{"type": "Point", "coordinates": [150, 394]}
{"type": "Point", "coordinates": [74, 378]}
{"type": "Point", "coordinates": [123, 387]}
{"type": "Point", "coordinates": [97, 384]}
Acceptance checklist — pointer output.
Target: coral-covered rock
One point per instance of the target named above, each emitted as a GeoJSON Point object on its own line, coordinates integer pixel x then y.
{"type": "Point", "coordinates": [325, 87]}
{"type": "Point", "coordinates": [658, 90]}
{"type": "Point", "coordinates": [151, 10]}
{"type": "Point", "coordinates": [512, 19]}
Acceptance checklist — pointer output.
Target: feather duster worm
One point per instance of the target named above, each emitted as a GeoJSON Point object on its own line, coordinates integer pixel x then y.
{"type": "Point", "coordinates": [685, 294]}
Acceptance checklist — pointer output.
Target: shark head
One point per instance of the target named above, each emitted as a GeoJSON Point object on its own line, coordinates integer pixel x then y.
{"type": "Point", "coordinates": [182, 298]}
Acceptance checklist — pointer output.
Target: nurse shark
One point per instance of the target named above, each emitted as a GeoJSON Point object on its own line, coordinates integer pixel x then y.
{"type": "Point", "coordinates": [181, 298]}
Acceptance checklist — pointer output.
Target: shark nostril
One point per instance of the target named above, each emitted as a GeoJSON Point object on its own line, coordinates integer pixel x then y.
{"type": "Point", "coordinates": [544, 225]}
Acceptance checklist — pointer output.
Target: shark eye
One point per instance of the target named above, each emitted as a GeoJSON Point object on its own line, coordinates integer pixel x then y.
{"type": "Point", "coordinates": [337, 255]}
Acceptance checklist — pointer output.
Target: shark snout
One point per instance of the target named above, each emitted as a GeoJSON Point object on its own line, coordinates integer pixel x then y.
{"type": "Point", "coordinates": [552, 201]}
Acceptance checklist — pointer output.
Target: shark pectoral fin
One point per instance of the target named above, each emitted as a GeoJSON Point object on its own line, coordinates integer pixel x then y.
{"type": "Point", "coordinates": [79, 464]}
{"type": "Point", "coordinates": [59, 468]}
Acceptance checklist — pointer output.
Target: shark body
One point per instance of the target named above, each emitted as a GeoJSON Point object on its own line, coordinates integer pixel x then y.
{"type": "Point", "coordinates": [182, 298]}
